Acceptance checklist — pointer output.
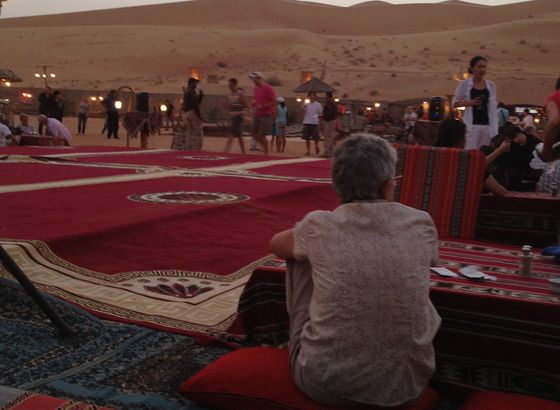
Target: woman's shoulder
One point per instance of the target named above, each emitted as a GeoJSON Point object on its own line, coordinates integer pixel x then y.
{"type": "Point", "coordinates": [408, 212]}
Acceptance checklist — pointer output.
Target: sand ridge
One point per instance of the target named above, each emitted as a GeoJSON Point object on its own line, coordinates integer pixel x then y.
{"type": "Point", "coordinates": [374, 51]}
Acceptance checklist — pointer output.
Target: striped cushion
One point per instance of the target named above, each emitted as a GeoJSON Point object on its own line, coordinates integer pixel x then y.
{"type": "Point", "coordinates": [445, 182]}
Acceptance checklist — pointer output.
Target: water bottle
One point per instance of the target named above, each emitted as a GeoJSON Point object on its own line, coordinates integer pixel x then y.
{"type": "Point", "coordinates": [526, 261]}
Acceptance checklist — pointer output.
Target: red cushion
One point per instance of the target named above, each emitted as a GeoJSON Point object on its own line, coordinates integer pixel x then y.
{"type": "Point", "coordinates": [493, 400]}
{"type": "Point", "coordinates": [257, 378]}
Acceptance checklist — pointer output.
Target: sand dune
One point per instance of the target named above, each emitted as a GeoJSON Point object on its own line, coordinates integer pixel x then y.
{"type": "Point", "coordinates": [374, 50]}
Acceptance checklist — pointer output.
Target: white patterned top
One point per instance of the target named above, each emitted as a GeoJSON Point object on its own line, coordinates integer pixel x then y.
{"type": "Point", "coordinates": [369, 336]}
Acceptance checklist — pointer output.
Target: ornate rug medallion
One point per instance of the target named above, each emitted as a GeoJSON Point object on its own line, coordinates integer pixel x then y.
{"type": "Point", "coordinates": [204, 157]}
{"type": "Point", "coordinates": [188, 197]}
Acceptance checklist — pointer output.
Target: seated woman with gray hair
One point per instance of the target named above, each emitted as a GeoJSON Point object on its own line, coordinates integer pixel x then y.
{"type": "Point", "coordinates": [357, 287]}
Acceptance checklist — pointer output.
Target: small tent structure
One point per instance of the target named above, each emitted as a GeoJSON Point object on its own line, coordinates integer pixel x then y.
{"type": "Point", "coordinates": [8, 76]}
{"type": "Point", "coordinates": [314, 85]}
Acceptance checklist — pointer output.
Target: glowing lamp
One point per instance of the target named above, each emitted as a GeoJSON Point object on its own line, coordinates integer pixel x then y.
{"type": "Point", "coordinates": [368, 108]}
{"type": "Point", "coordinates": [537, 120]}
{"type": "Point", "coordinates": [44, 76]}
{"type": "Point", "coordinates": [377, 105]}
{"type": "Point", "coordinates": [37, 75]}
{"type": "Point", "coordinates": [100, 98]}
{"type": "Point", "coordinates": [163, 108]}
{"type": "Point", "coordinates": [298, 99]}
{"type": "Point", "coordinates": [8, 84]}
{"type": "Point", "coordinates": [337, 100]}
{"type": "Point", "coordinates": [53, 75]}
{"type": "Point", "coordinates": [307, 100]}
{"type": "Point", "coordinates": [93, 98]}
{"type": "Point", "coordinates": [461, 108]}
{"type": "Point", "coordinates": [118, 105]}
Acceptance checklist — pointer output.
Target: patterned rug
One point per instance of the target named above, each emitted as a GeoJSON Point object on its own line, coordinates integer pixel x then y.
{"type": "Point", "coordinates": [160, 238]}
{"type": "Point", "coordinates": [180, 301]}
{"type": "Point", "coordinates": [15, 399]}
{"type": "Point", "coordinates": [106, 364]}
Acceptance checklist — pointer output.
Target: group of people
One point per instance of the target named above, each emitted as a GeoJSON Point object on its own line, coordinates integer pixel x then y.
{"type": "Point", "coordinates": [516, 156]}
{"type": "Point", "coordinates": [348, 269]}
{"type": "Point", "coordinates": [12, 136]}
{"type": "Point", "coordinates": [269, 117]}
{"type": "Point", "coordinates": [51, 104]}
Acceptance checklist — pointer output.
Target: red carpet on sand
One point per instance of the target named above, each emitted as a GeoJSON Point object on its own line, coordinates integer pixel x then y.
{"type": "Point", "coordinates": [149, 238]}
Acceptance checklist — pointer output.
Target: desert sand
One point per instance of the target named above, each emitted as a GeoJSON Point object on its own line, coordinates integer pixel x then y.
{"type": "Point", "coordinates": [374, 51]}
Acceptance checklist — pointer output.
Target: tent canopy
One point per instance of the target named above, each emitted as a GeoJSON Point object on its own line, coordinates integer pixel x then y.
{"type": "Point", "coordinates": [314, 85]}
{"type": "Point", "coordinates": [9, 75]}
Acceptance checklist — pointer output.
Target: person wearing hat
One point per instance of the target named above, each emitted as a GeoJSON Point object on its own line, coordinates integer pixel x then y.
{"type": "Point", "coordinates": [281, 121]}
{"type": "Point", "coordinates": [264, 105]}
{"type": "Point", "coordinates": [191, 139]}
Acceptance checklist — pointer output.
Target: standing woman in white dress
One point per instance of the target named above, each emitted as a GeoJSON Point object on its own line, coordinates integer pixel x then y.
{"type": "Point", "coordinates": [479, 97]}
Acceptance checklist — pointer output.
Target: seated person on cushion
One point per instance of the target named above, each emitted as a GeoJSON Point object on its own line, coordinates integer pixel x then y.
{"type": "Point", "coordinates": [357, 287]}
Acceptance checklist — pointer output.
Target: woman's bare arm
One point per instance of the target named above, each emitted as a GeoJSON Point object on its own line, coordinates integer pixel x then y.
{"type": "Point", "coordinates": [282, 244]}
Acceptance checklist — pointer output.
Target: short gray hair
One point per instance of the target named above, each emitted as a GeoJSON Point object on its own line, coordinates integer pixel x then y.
{"type": "Point", "coordinates": [41, 118]}
{"type": "Point", "coordinates": [361, 165]}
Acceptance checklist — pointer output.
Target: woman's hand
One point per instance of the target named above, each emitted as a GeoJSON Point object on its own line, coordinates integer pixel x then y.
{"type": "Point", "coordinates": [476, 101]}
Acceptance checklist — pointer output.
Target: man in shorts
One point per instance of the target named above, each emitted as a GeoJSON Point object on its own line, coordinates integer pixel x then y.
{"type": "Point", "coordinates": [264, 105]}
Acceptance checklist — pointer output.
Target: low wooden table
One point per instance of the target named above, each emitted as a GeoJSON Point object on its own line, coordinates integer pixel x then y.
{"type": "Point", "coordinates": [520, 218]}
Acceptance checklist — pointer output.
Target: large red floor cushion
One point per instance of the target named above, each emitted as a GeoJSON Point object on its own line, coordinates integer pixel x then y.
{"type": "Point", "coordinates": [259, 378]}
{"type": "Point", "coordinates": [493, 400]}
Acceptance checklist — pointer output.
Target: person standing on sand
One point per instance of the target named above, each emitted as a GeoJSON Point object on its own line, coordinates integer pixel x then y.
{"type": "Point", "coordinates": [330, 113]}
{"type": "Point", "coordinates": [409, 119]}
{"type": "Point", "coordinates": [191, 138]}
{"type": "Point", "coordinates": [528, 120]}
{"type": "Point", "coordinates": [57, 110]}
{"type": "Point", "coordinates": [503, 116]}
{"type": "Point", "coordinates": [479, 97]}
{"type": "Point", "coordinates": [236, 104]}
{"type": "Point", "coordinates": [45, 102]}
{"type": "Point", "coordinates": [169, 114]}
{"type": "Point", "coordinates": [112, 114]}
{"type": "Point", "coordinates": [281, 122]}
{"type": "Point", "coordinates": [312, 110]}
{"type": "Point", "coordinates": [264, 105]}
{"type": "Point", "coordinates": [83, 112]}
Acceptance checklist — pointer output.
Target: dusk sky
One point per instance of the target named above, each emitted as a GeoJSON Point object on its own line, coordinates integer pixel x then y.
{"type": "Point", "coordinates": [18, 8]}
